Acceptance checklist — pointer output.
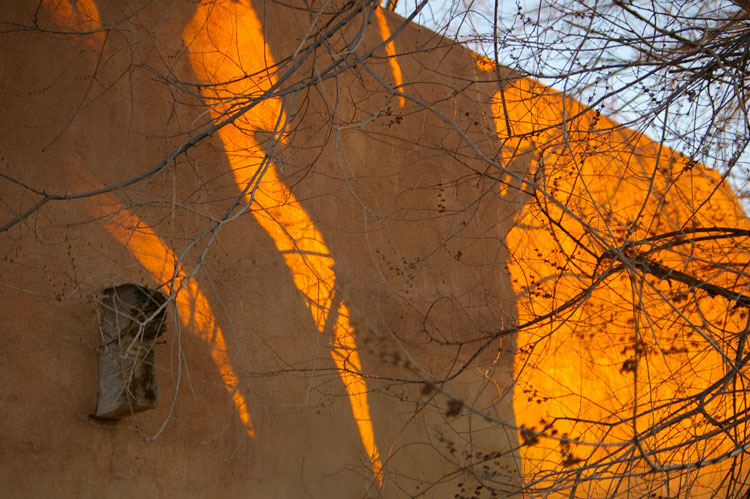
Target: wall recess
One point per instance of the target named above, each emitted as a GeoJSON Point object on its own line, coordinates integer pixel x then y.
{"type": "Point", "coordinates": [132, 317]}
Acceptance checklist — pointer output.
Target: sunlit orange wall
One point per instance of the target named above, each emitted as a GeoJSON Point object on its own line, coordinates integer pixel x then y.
{"type": "Point", "coordinates": [79, 17]}
{"type": "Point", "coordinates": [576, 384]}
{"type": "Point", "coordinates": [226, 44]}
{"type": "Point", "coordinates": [601, 184]}
{"type": "Point", "coordinates": [160, 261]}
{"type": "Point", "coordinates": [390, 50]}
{"type": "Point", "coordinates": [143, 243]}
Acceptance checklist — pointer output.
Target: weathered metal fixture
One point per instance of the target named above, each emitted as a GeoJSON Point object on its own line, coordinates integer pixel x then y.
{"type": "Point", "coordinates": [132, 317]}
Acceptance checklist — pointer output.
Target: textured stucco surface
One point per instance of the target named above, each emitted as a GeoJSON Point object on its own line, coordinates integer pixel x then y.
{"type": "Point", "coordinates": [415, 231]}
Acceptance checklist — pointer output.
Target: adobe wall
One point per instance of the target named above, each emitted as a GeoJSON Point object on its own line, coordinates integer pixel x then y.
{"type": "Point", "coordinates": [412, 218]}
{"type": "Point", "coordinates": [347, 256]}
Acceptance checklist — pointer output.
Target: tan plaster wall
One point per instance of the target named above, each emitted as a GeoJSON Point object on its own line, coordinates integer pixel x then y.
{"type": "Point", "coordinates": [395, 199]}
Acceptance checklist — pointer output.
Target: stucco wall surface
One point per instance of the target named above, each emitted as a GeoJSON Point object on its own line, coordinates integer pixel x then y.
{"type": "Point", "coordinates": [255, 400]}
{"type": "Point", "coordinates": [386, 277]}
